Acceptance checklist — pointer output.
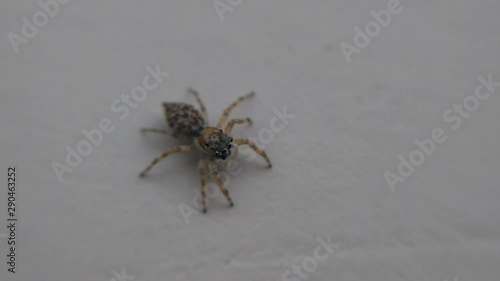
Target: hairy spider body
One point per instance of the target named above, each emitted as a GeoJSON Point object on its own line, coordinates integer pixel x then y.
{"type": "Point", "coordinates": [217, 144]}
{"type": "Point", "coordinates": [184, 119]}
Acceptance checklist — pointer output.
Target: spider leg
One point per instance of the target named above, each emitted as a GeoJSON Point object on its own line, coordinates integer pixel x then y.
{"type": "Point", "coordinates": [228, 110]}
{"type": "Point", "coordinates": [182, 148]}
{"type": "Point", "coordinates": [202, 167]}
{"type": "Point", "coordinates": [230, 125]}
{"type": "Point", "coordinates": [215, 174]}
{"type": "Point", "coordinates": [255, 148]}
{"type": "Point", "coordinates": [165, 132]}
{"type": "Point", "coordinates": [235, 152]}
{"type": "Point", "coordinates": [203, 109]}
{"type": "Point", "coordinates": [153, 130]}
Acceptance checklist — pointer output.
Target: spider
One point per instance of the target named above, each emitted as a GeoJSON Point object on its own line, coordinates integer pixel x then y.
{"type": "Point", "coordinates": [217, 144]}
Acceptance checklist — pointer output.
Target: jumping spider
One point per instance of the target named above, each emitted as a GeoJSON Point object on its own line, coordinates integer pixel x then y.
{"type": "Point", "coordinates": [217, 145]}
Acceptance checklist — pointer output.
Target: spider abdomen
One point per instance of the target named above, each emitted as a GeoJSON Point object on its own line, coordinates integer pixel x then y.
{"type": "Point", "coordinates": [183, 118]}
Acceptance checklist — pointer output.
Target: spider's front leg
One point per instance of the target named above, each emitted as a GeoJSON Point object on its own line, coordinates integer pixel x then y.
{"type": "Point", "coordinates": [230, 124]}
{"type": "Point", "coordinates": [228, 110]}
{"type": "Point", "coordinates": [212, 166]}
{"type": "Point", "coordinates": [255, 148]}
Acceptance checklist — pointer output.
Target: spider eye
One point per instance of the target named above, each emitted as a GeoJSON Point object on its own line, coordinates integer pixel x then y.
{"type": "Point", "coordinates": [230, 139]}
{"type": "Point", "coordinates": [229, 146]}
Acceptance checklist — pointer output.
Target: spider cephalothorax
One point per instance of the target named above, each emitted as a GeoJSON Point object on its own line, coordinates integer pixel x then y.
{"type": "Point", "coordinates": [216, 143]}
{"type": "Point", "coordinates": [213, 141]}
